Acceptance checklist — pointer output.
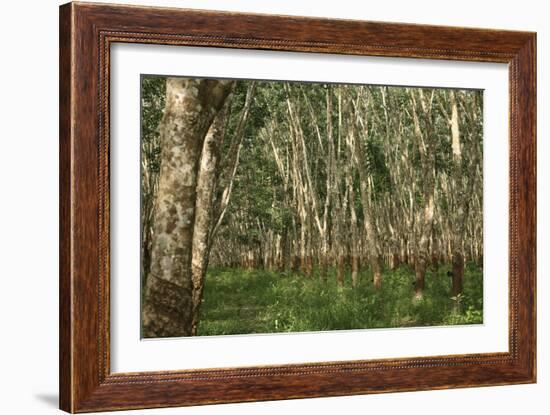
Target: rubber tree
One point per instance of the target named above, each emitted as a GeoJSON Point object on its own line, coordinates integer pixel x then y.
{"type": "Point", "coordinates": [190, 108]}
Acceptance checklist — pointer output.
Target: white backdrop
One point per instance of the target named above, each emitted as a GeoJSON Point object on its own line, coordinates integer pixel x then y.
{"type": "Point", "coordinates": [28, 212]}
{"type": "Point", "coordinates": [129, 354]}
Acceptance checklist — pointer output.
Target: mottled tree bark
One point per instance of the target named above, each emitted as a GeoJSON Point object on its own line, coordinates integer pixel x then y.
{"type": "Point", "coordinates": [208, 217]}
{"type": "Point", "coordinates": [203, 208]}
{"type": "Point", "coordinates": [191, 105]}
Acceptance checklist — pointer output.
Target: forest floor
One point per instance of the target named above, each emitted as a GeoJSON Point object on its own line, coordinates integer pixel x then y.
{"type": "Point", "coordinates": [240, 301]}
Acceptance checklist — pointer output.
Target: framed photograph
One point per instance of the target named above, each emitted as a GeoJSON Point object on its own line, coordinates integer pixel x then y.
{"type": "Point", "coordinates": [258, 207]}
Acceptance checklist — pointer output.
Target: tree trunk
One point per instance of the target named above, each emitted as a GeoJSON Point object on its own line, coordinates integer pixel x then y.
{"type": "Point", "coordinates": [377, 273]}
{"type": "Point", "coordinates": [354, 270]}
{"type": "Point", "coordinates": [371, 237]}
{"type": "Point", "coordinates": [421, 259]}
{"type": "Point", "coordinates": [458, 273]}
{"type": "Point", "coordinates": [354, 246]}
{"type": "Point", "coordinates": [285, 250]}
{"type": "Point", "coordinates": [203, 217]}
{"type": "Point", "coordinates": [323, 265]}
{"type": "Point", "coordinates": [309, 255]}
{"type": "Point", "coordinates": [427, 161]}
{"type": "Point", "coordinates": [340, 270]}
{"type": "Point", "coordinates": [303, 248]}
{"type": "Point", "coordinates": [420, 272]}
{"type": "Point", "coordinates": [460, 205]}
{"type": "Point", "coordinates": [191, 105]}
{"type": "Point", "coordinates": [231, 162]}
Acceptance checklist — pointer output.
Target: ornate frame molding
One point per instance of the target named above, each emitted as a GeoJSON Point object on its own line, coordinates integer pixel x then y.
{"type": "Point", "coordinates": [86, 33]}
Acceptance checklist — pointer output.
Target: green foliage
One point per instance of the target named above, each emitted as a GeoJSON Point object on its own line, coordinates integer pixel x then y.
{"type": "Point", "coordinates": [260, 301]}
{"type": "Point", "coordinates": [377, 167]}
{"type": "Point", "coordinates": [153, 91]}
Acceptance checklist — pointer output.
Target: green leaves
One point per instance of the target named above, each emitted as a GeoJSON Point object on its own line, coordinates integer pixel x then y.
{"type": "Point", "coordinates": [261, 301]}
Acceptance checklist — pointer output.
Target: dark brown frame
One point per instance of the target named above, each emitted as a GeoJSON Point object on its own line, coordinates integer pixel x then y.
{"type": "Point", "coordinates": [86, 33]}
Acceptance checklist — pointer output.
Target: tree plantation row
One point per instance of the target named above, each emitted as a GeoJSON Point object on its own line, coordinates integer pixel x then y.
{"type": "Point", "coordinates": [314, 179]}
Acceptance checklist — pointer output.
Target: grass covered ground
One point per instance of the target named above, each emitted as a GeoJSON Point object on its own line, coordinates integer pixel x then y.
{"type": "Point", "coordinates": [239, 301]}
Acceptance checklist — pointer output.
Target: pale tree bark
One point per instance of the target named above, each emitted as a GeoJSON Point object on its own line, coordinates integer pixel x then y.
{"type": "Point", "coordinates": [307, 195]}
{"type": "Point", "coordinates": [427, 180]}
{"type": "Point", "coordinates": [354, 246]}
{"type": "Point", "coordinates": [471, 139]}
{"type": "Point", "coordinates": [354, 231]}
{"type": "Point", "coordinates": [340, 193]}
{"type": "Point", "coordinates": [268, 136]}
{"type": "Point", "coordinates": [371, 236]}
{"type": "Point", "coordinates": [207, 183]}
{"type": "Point", "coordinates": [231, 162]}
{"type": "Point", "coordinates": [459, 208]}
{"type": "Point", "coordinates": [203, 208]}
{"type": "Point", "coordinates": [329, 192]}
{"type": "Point", "coordinates": [392, 203]}
{"type": "Point", "coordinates": [191, 105]}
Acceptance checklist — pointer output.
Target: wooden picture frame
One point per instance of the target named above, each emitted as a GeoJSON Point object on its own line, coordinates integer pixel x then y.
{"type": "Point", "coordinates": [86, 33]}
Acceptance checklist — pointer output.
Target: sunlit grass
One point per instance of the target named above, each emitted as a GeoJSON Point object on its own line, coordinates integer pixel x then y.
{"type": "Point", "coordinates": [239, 301]}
